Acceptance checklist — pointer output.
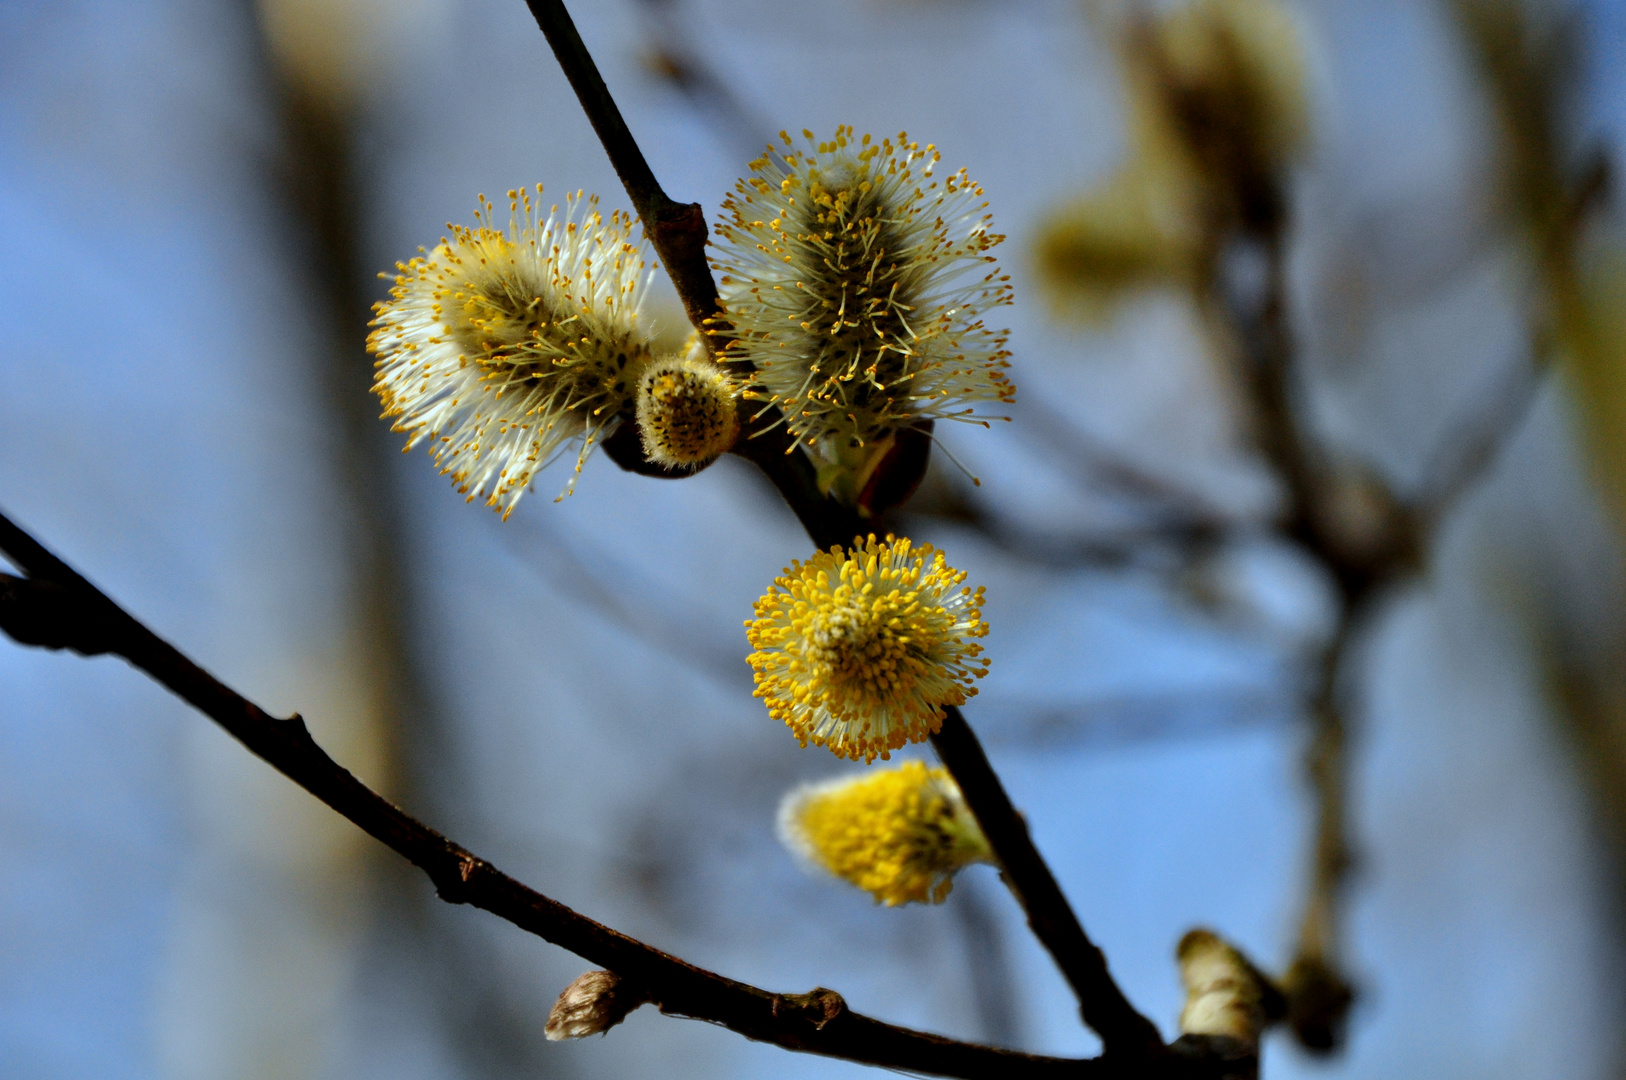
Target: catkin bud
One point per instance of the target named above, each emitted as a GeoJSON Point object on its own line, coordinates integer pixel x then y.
{"type": "Point", "coordinates": [686, 411]}
{"type": "Point", "coordinates": [1225, 994]}
{"type": "Point", "coordinates": [592, 1005]}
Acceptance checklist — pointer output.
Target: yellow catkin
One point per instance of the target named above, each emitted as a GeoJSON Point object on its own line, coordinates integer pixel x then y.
{"type": "Point", "coordinates": [856, 283]}
{"type": "Point", "coordinates": [900, 834]}
{"type": "Point", "coordinates": [860, 651]}
{"type": "Point", "coordinates": [504, 346]}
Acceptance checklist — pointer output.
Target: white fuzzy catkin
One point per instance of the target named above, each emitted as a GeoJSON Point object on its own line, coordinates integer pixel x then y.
{"type": "Point", "coordinates": [591, 1005]}
{"type": "Point", "coordinates": [856, 283]}
{"type": "Point", "coordinates": [504, 346]}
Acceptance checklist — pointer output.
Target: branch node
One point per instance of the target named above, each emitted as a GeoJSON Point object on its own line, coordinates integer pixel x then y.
{"type": "Point", "coordinates": [818, 1006]}
{"type": "Point", "coordinates": [1318, 1003]}
{"type": "Point", "coordinates": [452, 881]}
{"type": "Point", "coordinates": [296, 724]}
{"type": "Point", "coordinates": [44, 614]}
{"type": "Point", "coordinates": [680, 223]}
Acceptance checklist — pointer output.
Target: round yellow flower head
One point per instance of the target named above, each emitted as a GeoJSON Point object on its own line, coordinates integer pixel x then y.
{"type": "Point", "coordinates": [503, 346]}
{"type": "Point", "coordinates": [859, 652]}
{"type": "Point", "coordinates": [857, 284]}
{"type": "Point", "coordinates": [899, 834]}
{"type": "Point", "coordinates": [687, 414]}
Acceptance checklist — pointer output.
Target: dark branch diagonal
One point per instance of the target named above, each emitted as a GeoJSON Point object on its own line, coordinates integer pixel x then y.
{"type": "Point", "coordinates": [57, 608]}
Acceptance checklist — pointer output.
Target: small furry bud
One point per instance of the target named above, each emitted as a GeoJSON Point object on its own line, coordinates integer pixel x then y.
{"type": "Point", "coordinates": [1225, 994]}
{"type": "Point", "coordinates": [686, 411]}
{"type": "Point", "coordinates": [592, 1005]}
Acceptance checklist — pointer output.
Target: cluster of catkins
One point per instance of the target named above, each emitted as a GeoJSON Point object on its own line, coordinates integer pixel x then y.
{"type": "Point", "coordinates": [504, 346]}
{"type": "Point", "coordinates": [853, 283]}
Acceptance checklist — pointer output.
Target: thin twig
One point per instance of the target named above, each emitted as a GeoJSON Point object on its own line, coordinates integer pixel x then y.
{"type": "Point", "coordinates": [1361, 561]}
{"type": "Point", "coordinates": [1366, 560]}
{"type": "Point", "coordinates": [679, 234]}
{"type": "Point", "coordinates": [1094, 463]}
{"type": "Point", "coordinates": [678, 230]}
{"type": "Point", "coordinates": [1318, 993]}
{"type": "Point", "coordinates": [57, 608]}
{"type": "Point", "coordinates": [1474, 445]}
{"type": "Point", "coordinates": [1123, 1030]}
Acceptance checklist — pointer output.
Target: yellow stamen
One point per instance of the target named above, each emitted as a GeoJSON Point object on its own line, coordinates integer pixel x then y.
{"type": "Point", "coordinates": [899, 834]}
{"type": "Point", "coordinates": [860, 652]}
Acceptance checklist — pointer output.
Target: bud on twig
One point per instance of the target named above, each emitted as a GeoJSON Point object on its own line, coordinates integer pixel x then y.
{"type": "Point", "coordinates": [1318, 1002]}
{"type": "Point", "coordinates": [1225, 994]}
{"type": "Point", "coordinates": [687, 414]}
{"type": "Point", "coordinates": [592, 1005]}
{"type": "Point", "coordinates": [45, 614]}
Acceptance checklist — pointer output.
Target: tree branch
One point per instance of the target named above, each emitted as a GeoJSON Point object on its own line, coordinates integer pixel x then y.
{"type": "Point", "coordinates": [57, 608]}
{"type": "Point", "coordinates": [1317, 992]}
{"type": "Point", "coordinates": [1474, 445]}
{"type": "Point", "coordinates": [678, 233]}
{"type": "Point", "coordinates": [1124, 1031]}
{"type": "Point", "coordinates": [1365, 539]}
{"type": "Point", "coordinates": [677, 230]}
{"type": "Point", "coordinates": [679, 238]}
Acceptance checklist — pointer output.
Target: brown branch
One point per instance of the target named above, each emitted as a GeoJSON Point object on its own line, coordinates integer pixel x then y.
{"type": "Point", "coordinates": [1093, 463]}
{"type": "Point", "coordinates": [678, 230]}
{"type": "Point", "coordinates": [679, 234]}
{"type": "Point", "coordinates": [1318, 994]}
{"type": "Point", "coordinates": [1124, 1031]}
{"type": "Point", "coordinates": [57, 608]}
{"type": "Point", "coordinates": [1368, 539]}
{"type": "Point", "coordinates": [1476, 445]}
{"type": "Point", "coordinates": [1364, 549]}
{"type": "Point", "coordinates": [1365, 539]}
{"type": "Point", "coordinates": [827, 522]}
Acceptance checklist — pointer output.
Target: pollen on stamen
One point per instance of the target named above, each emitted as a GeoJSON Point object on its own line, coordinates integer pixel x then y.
{"type": "Point", "coordinates": [899, 833]}
{"type": "Point", "coordinates": [856, 289]}
{"type": "Point", "coordinates": [860, 651]}
{"type": "Point", "coordinates": [526, 327]}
